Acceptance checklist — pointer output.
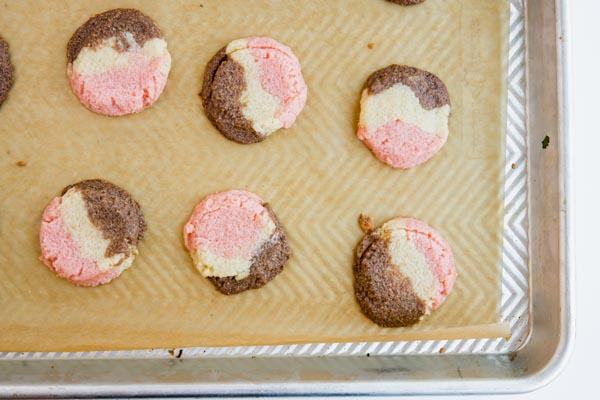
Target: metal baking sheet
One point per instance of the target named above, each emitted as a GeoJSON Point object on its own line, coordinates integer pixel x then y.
{"type": "Point", "coordinates": [538, 244]}
{"type": "Point", "coordinates": [514, 306]}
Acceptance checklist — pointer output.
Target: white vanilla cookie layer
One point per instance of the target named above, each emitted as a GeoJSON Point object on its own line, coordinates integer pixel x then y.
{"type": "Point", "coordinates": [87, 236]}
{"type": "Point", "coordinates": [400, 103]}
{"type": "Point", "coordinates": [258, 105]}
{"type": "Point", "coordinates": [410, 261]}
{"type": "Point", "coordinates": [105, 56]}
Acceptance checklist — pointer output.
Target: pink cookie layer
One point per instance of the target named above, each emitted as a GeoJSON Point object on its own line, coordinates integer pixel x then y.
{"type": "Point", "coordinates": [122, 90]}
{"type": "Point", "coordinates": [280, 76]}
{"type": "Point", "coordinates": [62, 254]}
{"type": "Point", "coordinates": [228, 224]}
{"type": "Point", "coordinates": [437, 253]}
{"type": "Point", "coordinates": [402, 145]}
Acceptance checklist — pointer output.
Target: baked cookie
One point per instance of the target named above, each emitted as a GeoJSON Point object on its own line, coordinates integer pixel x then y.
{"type": "Point", "coordinates": [404, 113]}
{"type": "Point", "coordinates": [402, 272]}
{"type": "Point", "coordinates": [6, 71]}
{"type": "Point", "coordinates": [118, 62]}
{"type": "Point", "coordinates": [407, 2]}
{"type": "Point", "coordinates": [236, 241]}
{"type": "Point", "coordinates": [89, 234]}
{"type": "Point", "coordinates": [252, 88]}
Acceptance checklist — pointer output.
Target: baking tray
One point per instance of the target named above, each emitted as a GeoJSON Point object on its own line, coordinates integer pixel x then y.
{"type": "Point", "coordinates": [539, 248]}
{"type": "Point", "coordinates": [333, 178]}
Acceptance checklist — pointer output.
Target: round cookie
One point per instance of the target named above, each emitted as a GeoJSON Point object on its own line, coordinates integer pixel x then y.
{"type": "Point", "coordinates": [402, 272]}
{"type": "Point", "coordinates": [404, 113]}
{"type": "Point", "coordinates": [252, 88]}
{"type": "Point", "coordinates": [236, 241]}
{"type": "Point", "coordinates": [6, 71]}
{"type": "Point", "coordinates": [406, 2]}
{"type": "Point", "coordinates": [89, 234]}
{"type": "Point", "coordinates": [118, 62]}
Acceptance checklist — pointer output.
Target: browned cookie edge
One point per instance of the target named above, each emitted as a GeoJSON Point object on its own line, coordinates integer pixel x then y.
{"type": "Point", "coordinates": [266, 264]}
{"type": "Point", "coordinates": [6, 71]}
{"type": "Point", "coordinates": [113, 23]}
{"type": "Point", "coordinates": [384, 294]}
{"type": "Point", "coordinates": [222, 88]}
{"type": "Point", "coordinates": [114, 212]}
{"type": "Point", "coordinates": [429, 89]}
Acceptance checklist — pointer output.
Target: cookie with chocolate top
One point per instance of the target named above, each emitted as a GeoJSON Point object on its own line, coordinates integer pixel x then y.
{"type": "Point", "coordinates": [403, 271]}
{"type": "Point", "coordinates": [89, 234]}
{"type": "Point", "coordinates": [6, 71]}
{"type": "Point", "coordinates": [253, 87]}
{"type": "Point", "coordinates": [236, 241]}
{"type": "Point", "coordinates": [404, 115]}
{"type": "Point", "coordinates": [406, 2]}
{"type": "Point", "coordinates": [118, 62]}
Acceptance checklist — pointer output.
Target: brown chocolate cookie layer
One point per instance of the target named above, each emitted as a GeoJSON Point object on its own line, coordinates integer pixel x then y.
{"type": "Point", "coordinates": [266, 264]}
{"type": "Point", "coordinates": [113, 23]}
{"type": "Point", "coordinates": [6, 71]}
{"type": "Point", "coordinates": [429, 89]}
{"type": "Point", "coordinates": [114, 212]}
{"type": "Point", "coordinates": [384, 294]}
{"type": "Point", "coordinates": [222, 88]}
{"type": "Point", "coordinates": [407, 2]}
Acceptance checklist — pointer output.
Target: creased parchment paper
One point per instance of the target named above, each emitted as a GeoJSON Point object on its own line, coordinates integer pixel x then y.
{"type": "Point", "coordinates": [317, 176]}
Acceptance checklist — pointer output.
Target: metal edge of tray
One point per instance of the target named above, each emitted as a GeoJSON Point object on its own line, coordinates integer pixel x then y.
{"type": "Point", "coordinates": [563, 119]}
{"type": "Point", "coordinates": [533, 366]}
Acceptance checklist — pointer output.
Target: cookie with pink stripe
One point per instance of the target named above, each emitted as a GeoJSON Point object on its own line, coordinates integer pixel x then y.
{"type": "Point", "coordinates": [118, 62]}
{"type": "Point", "coordinates": [404, 114]}
{"type": "Point", "coordinates": [236, 241]}
{"type": "Point", "coordinates": [89, 234]}
{"type": "Point", "coordinates": [403, 271]}
{"type": "Point", "coordinates": [253, 87]}
{"type": "Point", "coordinates": [6, 71]}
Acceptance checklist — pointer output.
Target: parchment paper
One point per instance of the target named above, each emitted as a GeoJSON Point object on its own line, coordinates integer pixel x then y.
{"type": "Point", "coordinates": [317, 176]}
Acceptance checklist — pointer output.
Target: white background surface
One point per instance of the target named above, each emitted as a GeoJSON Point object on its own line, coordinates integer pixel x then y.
{"type": "Point", "coordinates": [581, 377]}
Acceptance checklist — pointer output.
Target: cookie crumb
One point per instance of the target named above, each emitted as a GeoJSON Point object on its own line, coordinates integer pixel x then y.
{"type": "Point", "coordinates": [442, 350]}
{"type": "Point", "coordinates": [366, 223]}
{"type": "Point", "coordinates": [546, 142]}
{"type": "Point", "coordinates": [172, 352]}
{"type": "Point", "coordinates": [371, 45]}
{"type": "Point", "coordinates": [513, 165]}
{"type": "Point", "coordinates": [21, 163]}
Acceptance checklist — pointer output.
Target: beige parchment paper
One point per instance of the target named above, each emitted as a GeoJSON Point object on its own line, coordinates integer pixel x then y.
{"type": "Point", "coordinates": [317, 175]}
